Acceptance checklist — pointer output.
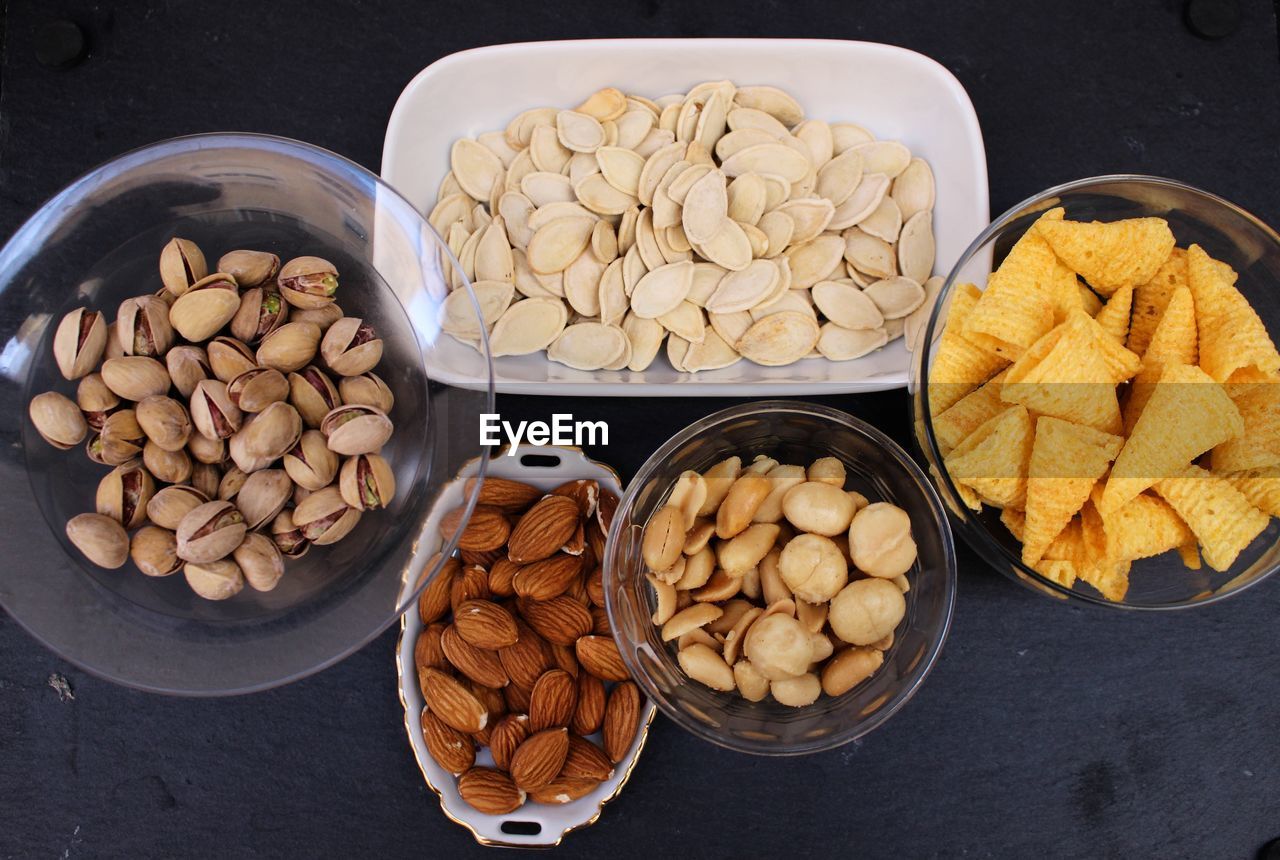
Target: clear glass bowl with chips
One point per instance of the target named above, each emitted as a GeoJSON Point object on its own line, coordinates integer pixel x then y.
{"type": "Point", "coordinates": [1227, 528]}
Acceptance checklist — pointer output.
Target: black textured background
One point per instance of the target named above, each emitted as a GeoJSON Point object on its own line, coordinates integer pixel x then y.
{"type": "Point", "coordinates": [1044, 729]}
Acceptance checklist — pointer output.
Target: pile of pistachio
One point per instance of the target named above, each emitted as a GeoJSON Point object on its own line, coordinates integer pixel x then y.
{"type": "Point", "coordinates": [214, 401]}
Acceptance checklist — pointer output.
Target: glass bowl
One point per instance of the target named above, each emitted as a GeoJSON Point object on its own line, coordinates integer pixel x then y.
{"type": "Point", "coordinates": [1226, 232]}
{"type": "Point", "coordinates": [97, 243]}
{"type": "Point", "coordinates": [798, 433]}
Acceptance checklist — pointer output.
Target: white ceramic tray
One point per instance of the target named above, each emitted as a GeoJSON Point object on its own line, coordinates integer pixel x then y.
{"type": "Point", "coordinates": [897, 94]}
{"type": "Point", "coordinates": [549, 467]}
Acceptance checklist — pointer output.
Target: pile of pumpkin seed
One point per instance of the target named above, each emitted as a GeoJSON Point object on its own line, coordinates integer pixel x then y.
{"type": "Point", "coordinates": [721, 221]}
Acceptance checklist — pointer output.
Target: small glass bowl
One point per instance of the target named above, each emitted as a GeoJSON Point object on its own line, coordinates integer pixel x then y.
{"type": "Point", "coordinates": [797, 433]}
{"type": "Point", "coordinates": [1226, 232]}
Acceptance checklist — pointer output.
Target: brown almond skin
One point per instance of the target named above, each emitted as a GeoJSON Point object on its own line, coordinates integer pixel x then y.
{"type": "Point", "coordinates": [527, 659]}
{"type": "Point", "coordinates": [602, 627]}
{"type": "Point", "coordinates": [502, 576]}
{"type": "Point", "coordinates": [517, 698]}
{"type": "Point", "coordinates": [471, 584]}
{"type": "Point", "coordinates": [485, 624]}
{"type": "Point", "coordinates": [452, 750]}
{"type": "Point", "coordinates": [584, 492]}
{"type": "Point", "coordinates": [563, 657]}
{"type": "Point", "coordinates": [506, 737]}
{"type": "Point", "coordinates": [600, 657]}
{"type": "Point", "coordinates": [484, 559]}
{"type": "Point", "coordinates": [563, 789]}
{"type": "Point", "coordinates": [504, 494]}
{"type": "Point", "coordinates": [589, 713]}
{"type": "Point", "coordinates": [539, 759]}
{"type": "Point", "coordinates": [621, 720]}
{"type": "Point", "coordinates": [553, 701]}
{"type": "Point", "coordinates": [551, 577]}
{"type": "Point", "coordinates": [453, 702]}
{"type": "Point", "coordinates": [433, 602]}
{"type": "Point", "coordinates": [490, 791]}
{"type": "Point", "coordinates": [428, 652]}
{"type": "Point", "coordinates": [487, 529]}
{"type": "Point", "coordinates": [560, 620]}
{"type": "Point", "coordinates": [545, 528]}
{"type": "Point", "coordinates": [495, 705]}
{"type": "Point", "coordinates": [595, 586]}
{"type": "Point", "coordinates": [585, 760]}
{"type": "Point", "coordinates": [479, 665]}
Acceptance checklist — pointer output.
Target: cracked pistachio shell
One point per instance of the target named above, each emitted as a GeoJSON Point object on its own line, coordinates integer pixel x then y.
{"type": "Point", "coordinates": [124, 492]}
{"type": "Point", "coordinates": [210, 532]}
{"type": "Point", "coordinates": [308, 282]}
{"type": "Point", "coordinates": [120, 441]}
{"type": "Point", "coordinates": [313, 394]}
{"type": "Point", "coordinates": [249, 268]}
{"type": "Point", "coordinates": [351, 347]}
{"type": "Point", "coordinates": [79, 342]}
{"type": "Point", "coordinates": [212, 411]}
{"type": "Point", "coordinates": [310, 463]}
{"type": "Point", "coordinates": [273, 432]}
{"type": "Point", "coordinates": [182, 264]}
{"type": "Point", "coordinates": [143, 326]}
{"type": "Point", "coordinates": [206, 450]}
{"type": "Point", "coordinates": [290, 347]}
{"type": "Point", "coordinates": [324, 517]}
{"type": "Point", "coordinates": [113, 349]}
{"type": "Point", "coordinates": [171, 467]}
{"type": "Point", "coordinates": [155, 551]}
{"type": "Point", "coordinates": [257, 388]}
{"type": "Point", "coordinates": [352, 430]}
{"type": "Point", "coordinates": [323, 316]}
{"type": "Point", "coordinates": [260, 562]}
{"type": "Point", "coordinates": [202, 311]}
{"type": "Point", "coordinates": [232, 480]}
{"type": "Point", "coordinates": [187, 365]}
{"type": "Point", "coordinates": [262, 311]}
{"type": "Point", "coordinates": [165, 421]}
{"type": "Point", "coordinates": [95, 400]}
{"type": "Point", "coordinates": [368, 389]}
{"type": "Point", "coordinates": [367, 482]}
{"type": "Point", "coordinates": [214, 580]}
{"type": "Point", "coordinates": [102, 540]}
{"type": "Point", "coordinates": [228, 358]}
{"type": "Point", "coordinates": [133, 377]}
{"type": "Point", "coordinates": [263, 496]}
{"type": "Point", "coordinates": [205, 478]}
{"type": "Point", "coordinates": [287, 537]}
{"type": "Point", "coordinates": [58, 421]}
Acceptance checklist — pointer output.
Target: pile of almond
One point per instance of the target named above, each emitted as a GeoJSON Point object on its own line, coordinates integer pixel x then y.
{"type": "Point", "coordinates": [516, 650]}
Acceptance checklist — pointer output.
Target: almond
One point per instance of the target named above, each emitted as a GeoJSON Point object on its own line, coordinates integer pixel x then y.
{"type": "Point", "coordinates": [490, 791]}
{"type": "Point", "coordinates": [504, 494]}
{"type": "Point", "coordinates": [560, 620]}
{"type": "Point", "coordinates": [606, 507]}
{"type": "Point", "coordinates": [554, 699]}
{"type": "Point", "coordinates": [543, 580]}
{"type": "Point", "coordinates": [601, 625]}
{"type": "Point", "coordinates": [589, 713]}
{"type": "Point", "coordinates": [502, 576]}
{"type": "Point", "coordinates": [543, 530]}
{"type": "Point", "coordinates": [585, 760]}
{"type": "Point", "coordinates": [564, 789]}
{"type": "Point", "coordinates": [485, 624]}
{"type": "Point", "coordinates": [599, 656]}
{"type": "Point", "coordinates": [506, 736]}
{"type": "Point", "coordinates": [595, 539]}
{"type": "Point", "coordinates": [479, 665]}
{"type": "Point", "coordinates": [452, 750]}
{"type": "Point", "coordinates": [578, 591]}
{"type": "Point", "coordinates": [577, 542]}
{"type": "Point", "coordinates": [584, 491]}
{"type": "Point", "coordinates": [595, 586]}
{"type": "Point", "coordinates": [562, 656]}
{"type": "Point", "coordinates": [527, 659]}
{"type": "Point", "coordinates": [449, 700]}
{"type": "Point", "coordinates": [487, 529]}
{"type": "Point", "coordinates": [484, 559]}
{"type": "Point", "coordinates": [495, 705]}
{"type": "Point", "coordinates": [621, 720]}
{"type": "Point", "coordinates": [472, 583]}
{"type": "Point", "coordinates": [539, 759]}
{"type": "Point", "coordinates": [433, 602]}
{"type": "Point", "coordinates": [517, 697]}
{"type": "Point", "coordinates": [427, 653]}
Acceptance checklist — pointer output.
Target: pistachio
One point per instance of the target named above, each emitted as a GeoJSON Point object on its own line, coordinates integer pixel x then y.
{"type": "Point", "coordinates": [228, 358]}
{"type": "Point", "coordinates": [120, 440]}
{"type": "Point", "coordinates": [290, 347]}
{"type": "Point", "coordinates": [232, 480]}
{"type": "Point", "coordinates": [167, 507]}
{"type": "Point", "coordinates": [155, 551]}
{"type": "Point", "coordinates": [263, 496]}
{"type": "Point", "coordinates": [102, 540]}
{"type": "Point", "coordinates": [260, 562]}
{"type": "Point", "coordinates": [367, 389]}
{"type": "Point", "coordinates": [187, 366]}
{"type": "Point", "coordinates": [212, 411]}
{"type": "Point", "coordinates": [205, 478]}
{"type": "Point", "coordinates": [206, 450]}
{"type": "Point", "coordinates": [143, 325]}
{"type": "Point", "coordinates": [323, 317]}
{"type": "Point", "coordinates": [351, 347]}
{"type": "Point", "coordinates": [287, 537]}
{"type": "Point", "coordinates": [133, 377]}
{"type": "Point", "coordinates": [308, 282]}
{"type": "Point", "coordinates": [182, 264]}
{"type": "Point", "coordinates": [257, 388]}
{"type": "Point", "coordinates": [79, 342]}
{"type": "Point", "coordinates": [58, 421]}
{"type": "Point", "coordinates": [210, 532]}
{"type": "Point", "coordinates": [165, 421]}
{"type": "Point", "coordinates": [300, 493]}
{"type": "Point", "coordinates": [262, 311]}
{"type": "Point", "coordinates": [239, 452]}
{"type": "Point", "coordinates": [165, 296]}
{"type": "Point", "coordinates": [273, 432]}
{"type": "Point", "coordinates": [214, 580]}
{"type": "Point", "coordinates": [201, 311]}
{"type": "Point", "coordinates": [114, 348]}
{"type": "Point", "coordinates": [367, 482]}
{"type": "Point", "coordinates": [352, 430]}
{"type": "Point", "coordinates": [249, 268]}
{"type": "Point", "coordinates": [312, 393]}
{"type": "Point", "coordinates": [310, 463]}
{"type": "Point", "coordinates": [171, 467]}
{"type": "Point", "coordinates": [324, 518]}
{"type": "Point", "coordinates": [95, 400]}
{"type": "Point", "coordinates": [124, 492]}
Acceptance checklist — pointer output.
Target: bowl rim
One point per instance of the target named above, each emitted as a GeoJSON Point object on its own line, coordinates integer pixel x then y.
{"type": "Point", "coordinates": [987, 548]}
{"type": "Point", "coordinates": [923, 667]}
{"type": "Point", "coordinates": [18, 248]}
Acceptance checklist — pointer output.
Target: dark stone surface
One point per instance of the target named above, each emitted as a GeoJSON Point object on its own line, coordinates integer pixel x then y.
{"type": "Point", "coordinates": [1044, 729]}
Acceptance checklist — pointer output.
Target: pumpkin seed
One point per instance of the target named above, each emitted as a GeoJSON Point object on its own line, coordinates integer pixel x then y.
{"type": "Point", "coordinates": [603, 104]}
{"type": "Point", "coordinates": [736, 141]}
{"type": "Point", "coordinates": [796, 301]}
{"type": "Point", "coordinates": [778, 229]}
{"type": "Point", "coordinates": [496, 142]}
{"type": "Point", "coordinates": [582, 165]}
{"type": "Point", "coordinates": [632, 127]}
{"type": "Point", "coordinates": [687, 321]}
{"type": "Point", "coordinates": [732, 326]}
{"type": "Point", "coordinates": [810, 218]}
{"type": "Point", "coordinates": [868, 254]}
{"type": "Point", "coordinates": [816, 136]}
{"type": "Point", "coordinates": [604, 242]}
{"type": "Point", "coordinates": [519, 131]}
{"type": "Point", "coordinates": [646, 337]}
{"type": "Point", "coordinates": [655, 167]}
{"type": "Point", "coordinates": [743, 117]}
{"type": "Point", "coordinates": [884, 156]}
{"type": "Point", "coordinates": [515, 209]}
{"type": "Point", "coordinates": [847, 306]}
{"type": "Point", "coordinates": [779, 339]}
{"type": "Point", "coordinates": [841, 344]}
{"type": "Point", "coordinates": [862, 202]}
{"type": "Point", "coordinates": [777, 190]}
{"type": "Point", "coordinates": [627, 229]}
{"type": "Point", "coordinates": [729, 247]}
{"type": "Point", "coordinates": [838, 178]}
{"type": "Point", "coordinates": [527, 283]}
{"type": "Point", "coordinates": [542, 188]}
{"type": "Point", "coordinates": [621, 167]}
{"type": "Point", "coordinates": [662, 289]}
{"type": "Point", "coordinates": [475, 167]}
{"type": "Point", "coordinates": [884, 223]}
{"type": "Point", "coordinates": [448, 186]}
{"type": "Point", "coordinates": [675, 239]}
{"type": "Point", "coordinates": [913, 190]}
{"type": "Point", "coordinates": [656, 139]}
{"type": "Point", "coordinates": [914, 322]}
{"type": "Point", "coordinates": [449, 211]}
{"type": "Point", "coordinates": [579, 132]}
{"type": "Point", "coordinates": [846, 135]}
{"type": "Point", "coordinates": [599, 196]}
{"type": "Point", "coordinates": [711, 122]}
{"type": "Point", "coordinates": [647, 241]}
{"type": "Point", "coordinates": [588, 346]}
{"type": "Point", "coordinates": [624, 357]}
{"type": "Point", "coordinates": [916, 248]}
{"type": "Point", "coordinates": [771, 157]}
{"type": "Point", "coordinates": [519, 169]}
{"type": "Point", "coordinates": [546, 150]}
{"type": "Point", "coordinates": [705, 206]}
{"type": "Point", "coordinates": [713, 353]}
{"type": "Point", "coordinates": [747, 198]}
{"type": "Point", "coordinates": [582, 284]}
{"type": "Point", "coordinates": [815, 260]}
{"type": "Point", "coordinates": [493, 254]}
{"type": "Point", "coordinates": [706, 278]}
{"type": "Point", "coordinates": [633, 269]}
{"type": "Point", "coordinates": [772, 101]}
{"type": "Point", "coordinates": [558, 243]}
{"type": "Point", "coordinates": [544, 215]}
{"type": "Point", "coordinates": [528, 326]}
{"type": "Point", "coordinates": [458, 314]}
{"type": "Point", "coordinates": [895, 297]}
{"type": "Point", "coordinates": [612, 296]}
{"type": "Point", "coordinates": [678, 190]}
{"type": "Point", "coordinates": [743, 290]}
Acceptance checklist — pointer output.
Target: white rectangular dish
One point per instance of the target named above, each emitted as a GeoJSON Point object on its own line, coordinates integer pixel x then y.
{"type": "Point", "coordinates": [895, 93]}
